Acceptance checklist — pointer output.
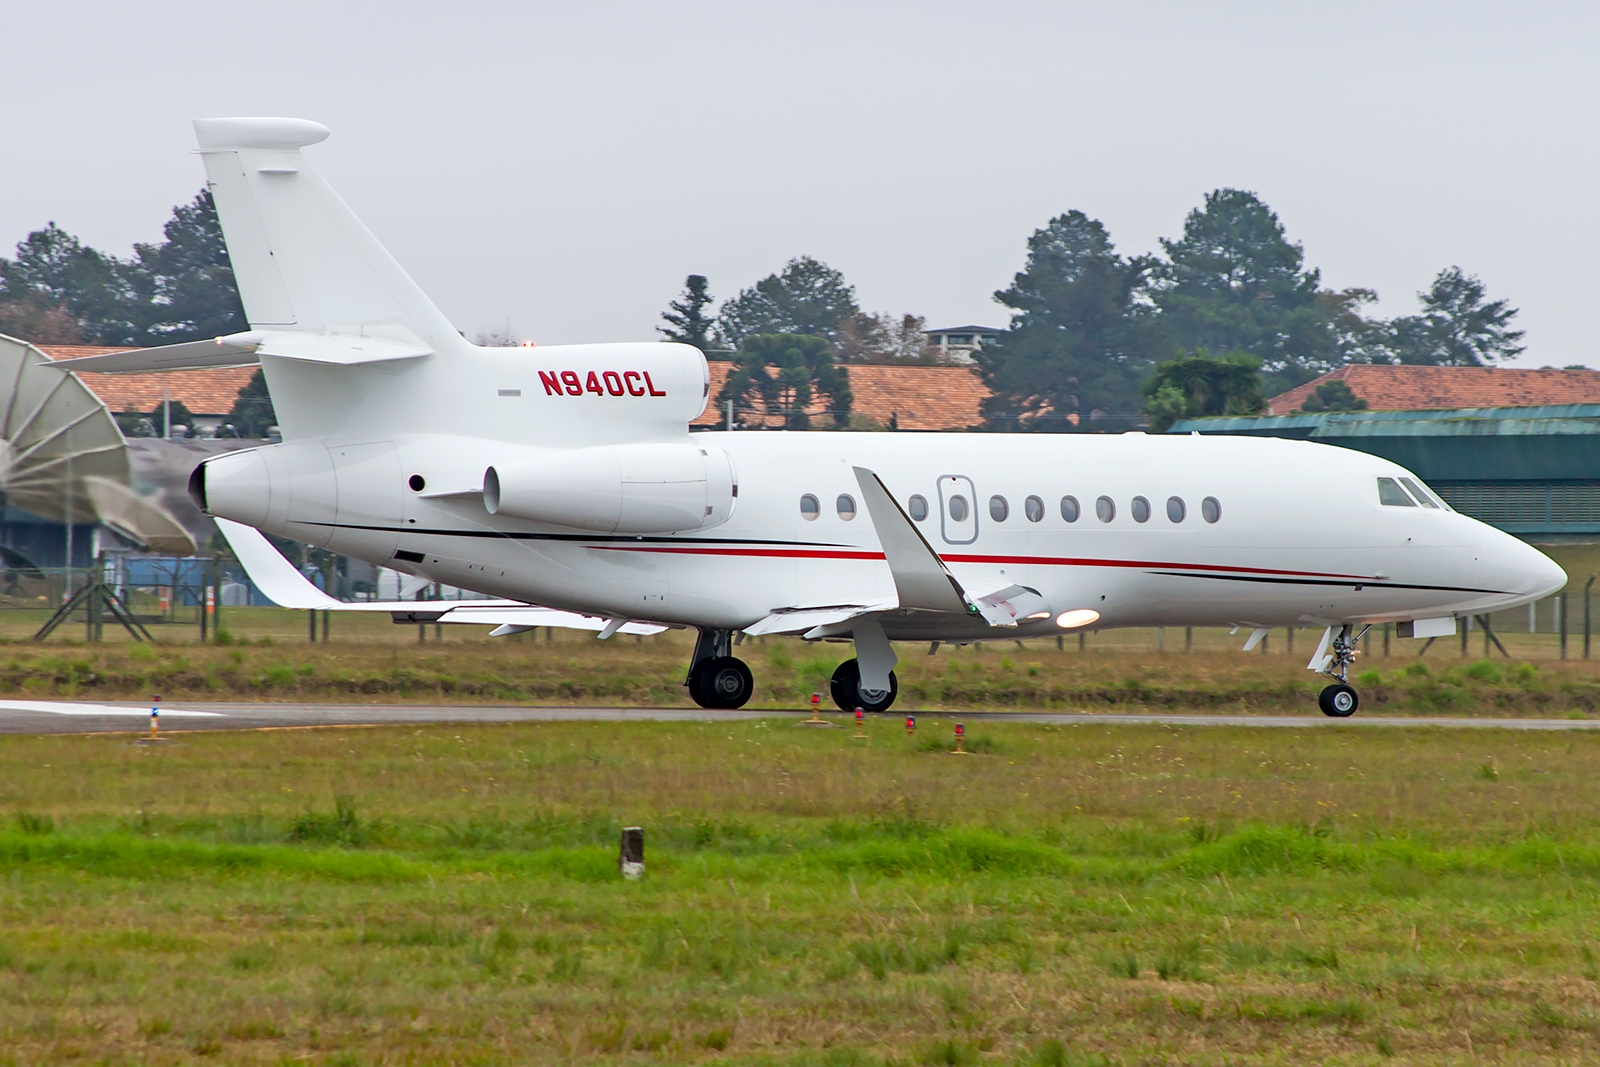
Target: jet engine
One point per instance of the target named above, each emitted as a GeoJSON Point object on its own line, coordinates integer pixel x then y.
{"type": "Point", "coordinates": [630, 489]}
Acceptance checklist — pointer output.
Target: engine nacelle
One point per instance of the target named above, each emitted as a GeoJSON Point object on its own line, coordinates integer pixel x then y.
{"type": "Point", "coordinates": [633, 489]}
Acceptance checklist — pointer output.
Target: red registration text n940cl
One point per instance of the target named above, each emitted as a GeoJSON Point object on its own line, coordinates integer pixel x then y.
{"type": "Point", "coordinates": [601, 383]}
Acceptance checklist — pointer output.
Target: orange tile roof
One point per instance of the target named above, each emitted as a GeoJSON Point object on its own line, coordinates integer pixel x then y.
{"type": "Point", "coordinates": [919, 398]}
{"type": "Point", "coordinates": [203, 392]}
{"type": "Point", "coordinates": [1390, 388]}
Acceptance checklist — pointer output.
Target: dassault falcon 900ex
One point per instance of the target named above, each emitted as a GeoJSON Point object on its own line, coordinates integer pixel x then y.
{"type": "Point", "coordinates": [564, 483]}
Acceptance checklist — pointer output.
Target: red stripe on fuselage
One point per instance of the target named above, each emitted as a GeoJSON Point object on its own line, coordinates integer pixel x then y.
{"type": "Point", "coordinates": [1039, 561]}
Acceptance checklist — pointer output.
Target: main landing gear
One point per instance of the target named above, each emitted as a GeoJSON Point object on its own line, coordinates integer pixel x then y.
{"type": "Point", "coordinates": [1339, 700]}
{"type": "Point", "coordinates": [716, 678]}
{"type": "Point", "coordinates": [847, 692]}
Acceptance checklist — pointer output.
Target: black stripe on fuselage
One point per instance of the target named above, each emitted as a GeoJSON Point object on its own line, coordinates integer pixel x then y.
{"type": "Point", "coordinates": [1328, 581]}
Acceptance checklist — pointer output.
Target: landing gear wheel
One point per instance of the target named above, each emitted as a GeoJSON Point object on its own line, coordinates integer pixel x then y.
{"type": "Point", "coordinates": [845, 687]}
{"type": "Point", "coordinates": [1339, 701]}
{"type": "Point", "coordinates": [721, 682]}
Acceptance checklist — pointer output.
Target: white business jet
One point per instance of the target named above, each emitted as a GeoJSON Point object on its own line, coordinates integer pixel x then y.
{"type": "Point", "coordinates": [563, 482]}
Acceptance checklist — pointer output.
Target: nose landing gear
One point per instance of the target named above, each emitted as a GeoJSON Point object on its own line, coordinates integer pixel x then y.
{"type": "Point", "coordinates": [1340, 701]}
{"type": "Point", "coordinates": [717, 679]}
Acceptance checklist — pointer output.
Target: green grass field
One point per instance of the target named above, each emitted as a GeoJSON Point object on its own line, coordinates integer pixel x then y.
{"type": "Point", "coordinates": [1067, 895]}
{"type": "Point", "coordinates": [574, 668]}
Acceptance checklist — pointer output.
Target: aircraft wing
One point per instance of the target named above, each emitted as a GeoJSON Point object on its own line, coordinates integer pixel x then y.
{"type": "Point", "coordinates": [922, 582]}
{"type": "Point", "coordinates": [804, 620]}
{"type": "Point", "coordinates": [285, 586]}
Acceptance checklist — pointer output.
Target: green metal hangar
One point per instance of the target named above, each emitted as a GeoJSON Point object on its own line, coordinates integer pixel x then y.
{"type": "Point", "coordinates": [1519, 449]}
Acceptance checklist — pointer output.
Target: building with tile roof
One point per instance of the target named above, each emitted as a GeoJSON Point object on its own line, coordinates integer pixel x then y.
{"type": "Point", "coordinates": [1390, 388]}
{"type": "Point", "coordinates": [208, 394]}
{"type": "Point", "coordinates": [907, 397]}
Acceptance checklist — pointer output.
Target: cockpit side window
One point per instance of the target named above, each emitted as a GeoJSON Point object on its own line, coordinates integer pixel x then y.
{"type": "Point", "coordinates": [1417, 491]}
{"type": "Point", "coordinates": [1391, 495]}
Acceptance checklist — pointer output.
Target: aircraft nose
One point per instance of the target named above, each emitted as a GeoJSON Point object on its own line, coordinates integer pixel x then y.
{"type": "Point", "coordinates": [1525, 570]}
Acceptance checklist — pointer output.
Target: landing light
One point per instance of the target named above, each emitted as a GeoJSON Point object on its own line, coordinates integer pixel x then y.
{"type": "Point", "coordinates": [1039, 615]}
{"type": "Point", "coordinates": [1077, 617]}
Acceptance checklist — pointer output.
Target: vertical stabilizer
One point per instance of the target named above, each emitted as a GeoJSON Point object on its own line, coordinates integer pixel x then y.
{"type": "Point", "coordinates": [302, 259]}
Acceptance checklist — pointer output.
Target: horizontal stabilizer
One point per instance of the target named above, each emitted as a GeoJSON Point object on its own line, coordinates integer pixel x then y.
{"type": "Point", "coordinates": [191, 355]}
{"type": "Point", "coordinates": [244, 349]}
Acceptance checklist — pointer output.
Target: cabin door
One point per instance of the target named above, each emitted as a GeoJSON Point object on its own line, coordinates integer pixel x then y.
{"type": "Point", "coordinates": [958, 510]}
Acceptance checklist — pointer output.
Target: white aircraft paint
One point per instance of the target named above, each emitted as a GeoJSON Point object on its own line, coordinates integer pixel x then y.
{"type": "Point", "coordinates": [566, 478]}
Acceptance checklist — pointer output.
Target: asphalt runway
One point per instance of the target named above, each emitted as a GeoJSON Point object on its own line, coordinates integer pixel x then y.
{"type": "Point", "coordinates": [73, 717]}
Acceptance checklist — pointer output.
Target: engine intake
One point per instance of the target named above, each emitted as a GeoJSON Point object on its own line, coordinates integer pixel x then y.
{"type": "Point", "coordinates": [635, 489]}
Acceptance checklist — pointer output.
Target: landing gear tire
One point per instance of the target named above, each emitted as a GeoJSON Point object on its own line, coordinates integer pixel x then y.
{"type": "Point", "coordinates": [721, 682]}
{"type": "Point", "coordinates": [1339, 701]}
{"type": "Point", "coordinates": [845, 688]}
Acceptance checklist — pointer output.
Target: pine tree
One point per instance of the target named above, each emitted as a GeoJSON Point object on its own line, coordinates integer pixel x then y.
{"type": "Point", "coordinates": [686, 318]}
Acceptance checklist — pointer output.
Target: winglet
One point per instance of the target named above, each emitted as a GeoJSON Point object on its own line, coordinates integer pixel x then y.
{"type": "Point", "coordinates": [275, 576]}
{"type": "Point", "coordinates": [920, 576]}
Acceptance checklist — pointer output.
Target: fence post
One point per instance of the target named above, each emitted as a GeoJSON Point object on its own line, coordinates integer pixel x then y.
{"type": "Point", "coordinates": [1466, 631]}
{"type": "Point", "coordinates": [1188, 638]}
{"type": "Point", "coordinates": [216, 595]}
{"type": "Point", "coordinates": [1562, 607]}
{"type": "Point", "coordinates": [1386, 639]}
{"type": "Point", "coordinates": [1586, 587]}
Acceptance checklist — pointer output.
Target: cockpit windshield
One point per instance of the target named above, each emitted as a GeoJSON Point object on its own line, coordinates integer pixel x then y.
{"type": "Point", "coordinates": [1391, 495]}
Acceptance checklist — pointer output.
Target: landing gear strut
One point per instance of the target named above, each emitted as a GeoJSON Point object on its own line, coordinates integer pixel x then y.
{"type": "Point", "coordinates": [1340, 701]}
{"type": "Point", "coordinates": [717, 679]}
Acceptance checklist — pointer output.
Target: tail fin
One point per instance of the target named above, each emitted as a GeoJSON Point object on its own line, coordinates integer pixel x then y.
{"type": "Point", "coordinates": [302, 259]}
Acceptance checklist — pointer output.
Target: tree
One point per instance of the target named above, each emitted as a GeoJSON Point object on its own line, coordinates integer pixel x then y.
{"type": "Point", "coordinates": [1198, 385]}
{"type": "Point", "coordinates": [54, 270]}
{"type": "Point", "coordinates": [185, 286]}
{"type": "Point", "coordinates": [686, 318]}
{"type": "Point", "coordinates": [783, 372]}
{"type": "Point", "coordinates": [1457, 327]}
{"type": "Point", "coordinates": [881, 338]}
{"type": "Point", "coordinates": [808, 296]}
{"type": "Point", "coordinates": [59, 290]}
{"type": "Point", "coordinates": [1334, 395]}
{"type": "Point", "coordinates": [181, 417]}
{"type": "Point", "coordinates": [252, 413]}
{"type": "Point", "coordinates": [1234, 282]}
{"type": "Point", "coordinates": [1080, 338]}
{"type": "Point", "coordinates": [497, 338]}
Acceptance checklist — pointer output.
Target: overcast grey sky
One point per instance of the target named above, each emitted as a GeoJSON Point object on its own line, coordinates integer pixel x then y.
{"type": "Point", "coordinates": [565, 165]}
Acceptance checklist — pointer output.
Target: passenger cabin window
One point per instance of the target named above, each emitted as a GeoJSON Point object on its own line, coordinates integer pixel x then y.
{"type": "Point", "coordinates": [1033, 507]}
{"type": "Point", "coordinates": [999, 510]}
{"type": "Point", "coordinates": [1141, 509]}
{"type": "Point", "coordinates": [1176, 511]}
{"type": "Point", "coordinates": [1211, 509]}
{"type": "Point", "coordinates": [1104, 509]}
{"type": "Point", "coordinates": [1391, 495]}
{"type": "Point", "coordinates": [958, 508]}
{"type": "Point", "coordinates": [1069, 508]}
{"type": "Point", "coordinates": [918, 506]}
{"type": "Point", "coordinates": [809, 508]}
{"type": "Point", "coordinates": [1416, 490]}
{"type": "Point", "coordinates": [846, 505]}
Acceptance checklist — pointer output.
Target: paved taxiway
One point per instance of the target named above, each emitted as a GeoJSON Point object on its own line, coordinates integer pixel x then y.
{"type": "Point", "coordinates": [64, 717]}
